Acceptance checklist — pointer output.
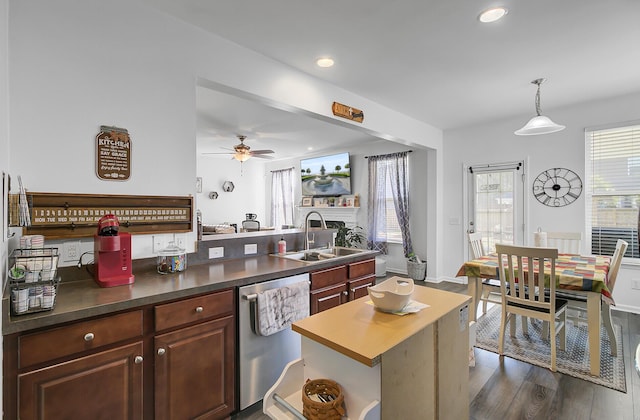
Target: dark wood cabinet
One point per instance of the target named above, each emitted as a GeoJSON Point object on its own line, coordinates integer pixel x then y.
{"type": "Point", "coordinates": [105, 385]}
{"type": "Point", "coordinates": [336, 285]}
{"type": "Point", "coordinates": [195, 357]}
{"type": "Point", "coordinates": [194, 371]}
{"type": "Point", "coordinates": [170, 361]}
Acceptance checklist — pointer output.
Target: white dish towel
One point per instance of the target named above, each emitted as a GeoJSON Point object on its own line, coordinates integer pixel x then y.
{"type": "Point", "coordinates": [278, 308]}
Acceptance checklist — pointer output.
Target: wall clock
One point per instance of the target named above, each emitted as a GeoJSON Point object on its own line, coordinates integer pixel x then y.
{"type": "Point", "coordinates": [557, 187]}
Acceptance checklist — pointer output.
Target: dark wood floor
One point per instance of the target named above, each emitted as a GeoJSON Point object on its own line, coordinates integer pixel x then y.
{"type": "Point", "coordinates": [509, 389]}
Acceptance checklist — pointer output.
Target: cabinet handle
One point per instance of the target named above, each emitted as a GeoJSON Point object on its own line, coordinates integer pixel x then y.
{"type": "Point", "coordinates": [345, 293]}
{"type": "Point", "coordinates": [161, 351]}
{"type": "Point", "coordinates": [199, 309]}
{"type": "Point", "coordinates": [89, 337]}
{"type": "Point", "coordinates": [137, 360]}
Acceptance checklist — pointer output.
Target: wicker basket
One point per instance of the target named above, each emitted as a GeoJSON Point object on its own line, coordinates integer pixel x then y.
{"type": "Point", "coordinates": [326, 389]}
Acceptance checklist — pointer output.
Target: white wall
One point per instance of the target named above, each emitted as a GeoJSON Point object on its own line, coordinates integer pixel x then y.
{"type": "Point", "coordinates": [78, 65]}
{"type": "Point", "coordinates": [248, 195]}
{"type": "Point", "coordinates": [496, 142]}
{"type": "Point", "coordinates": [4, 141]}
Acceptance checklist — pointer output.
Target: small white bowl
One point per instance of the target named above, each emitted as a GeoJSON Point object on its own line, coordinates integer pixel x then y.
{"type": "Point", "coordinates": [391, 295]}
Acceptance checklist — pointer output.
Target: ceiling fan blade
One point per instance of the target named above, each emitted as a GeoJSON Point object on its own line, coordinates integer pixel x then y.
{"type": "Point", "coordinates": [261, 156]}
{"type": "Point", "coordinates": [261, 152]}
{"type": "Point", "coordinates": [218, 153]}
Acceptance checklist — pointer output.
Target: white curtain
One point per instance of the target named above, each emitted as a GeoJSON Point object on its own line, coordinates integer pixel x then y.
{"type": "Point", "coordinates": [282, 197]}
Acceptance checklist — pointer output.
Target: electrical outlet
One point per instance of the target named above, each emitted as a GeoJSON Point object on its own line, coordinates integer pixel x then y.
{"type": "Point", "coordinates": [71, 251]}
{"type": "Point", "coordinates": [635, 284]}
{"type": "Point", "coordinates": [250, 249]}
{"type": "Point", "coordinates": [217, 252]}
{"type": "Point", "coordinates": [159, 243]}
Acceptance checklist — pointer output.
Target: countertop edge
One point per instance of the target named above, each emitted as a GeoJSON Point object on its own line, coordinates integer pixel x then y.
{"type": "Point", "coordinates": [196, 280]}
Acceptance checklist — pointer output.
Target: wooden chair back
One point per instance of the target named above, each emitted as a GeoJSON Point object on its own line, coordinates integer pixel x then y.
{"type": "Point", "coordinates": [616, 261]}
{"type": "Point", "coordinates": [475, 242]}
{"type": "Point", "coordinates": [565, 242]}
{"type": "Point", "coordinates": [525, 292]}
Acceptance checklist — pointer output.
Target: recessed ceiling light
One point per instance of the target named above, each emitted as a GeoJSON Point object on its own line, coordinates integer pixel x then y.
{"type": "Point", "coordinates": [324, 62]}
{"type": "Point", "coordinates": [493, 14]}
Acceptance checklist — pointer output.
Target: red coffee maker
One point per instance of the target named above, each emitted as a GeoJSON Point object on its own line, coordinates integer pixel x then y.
{"type": "Point", "coordinates": [112, 253]}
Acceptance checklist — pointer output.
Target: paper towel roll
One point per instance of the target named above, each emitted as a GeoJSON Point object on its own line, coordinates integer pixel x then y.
{"type": "Point", "coordinates": [540, 239]}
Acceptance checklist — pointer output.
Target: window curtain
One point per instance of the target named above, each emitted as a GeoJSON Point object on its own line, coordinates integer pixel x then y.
{"type": "Point", "coordinates": [395, 167]}
{"type": "Point", "coordinates": [282, 197]}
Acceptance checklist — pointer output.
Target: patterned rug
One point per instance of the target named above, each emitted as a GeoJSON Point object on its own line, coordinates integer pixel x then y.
{"type": "Point", "coordinates": [574, 361]}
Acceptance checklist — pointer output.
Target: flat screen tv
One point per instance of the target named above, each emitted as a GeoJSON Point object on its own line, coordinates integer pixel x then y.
{"type": "Point", "coordinates": [326, 175]}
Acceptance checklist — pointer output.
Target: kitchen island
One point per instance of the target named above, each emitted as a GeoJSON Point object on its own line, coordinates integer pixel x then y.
{"type": "Point", "coordinates": [389, 366]}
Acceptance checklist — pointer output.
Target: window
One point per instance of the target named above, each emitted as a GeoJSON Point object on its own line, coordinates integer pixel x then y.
{"type": "Point", "coordinates": [394, 234]}
{"type": "Point", "coordinates": [388, 202]}
{"type": "Point", "coordinates": [613, 188]}
{"type": "Point", "coordinates": [282, 198]}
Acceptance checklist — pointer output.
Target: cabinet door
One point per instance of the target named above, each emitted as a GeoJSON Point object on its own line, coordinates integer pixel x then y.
{"type": "Point", "coordinates": [328, 298]}
{"type": "Point", "coordinates": [358, 288]}
{"type": "Point", "coordinates": [106, 385]}
{"type": "Point", "coordinates": [195, 371]}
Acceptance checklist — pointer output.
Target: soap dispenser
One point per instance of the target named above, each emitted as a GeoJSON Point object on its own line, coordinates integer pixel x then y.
{"type": "Point", "coordinates": [282, 246]}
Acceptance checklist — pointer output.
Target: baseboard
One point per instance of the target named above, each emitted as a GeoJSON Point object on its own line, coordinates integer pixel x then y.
{"type": "Point", "coordinates": [626, 308]}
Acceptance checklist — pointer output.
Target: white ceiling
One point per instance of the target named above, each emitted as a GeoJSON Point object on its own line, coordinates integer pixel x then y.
{"type": "Point", "coordinates": [432, 59]}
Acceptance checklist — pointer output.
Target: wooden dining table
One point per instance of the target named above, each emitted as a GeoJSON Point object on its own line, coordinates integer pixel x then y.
{"type": "Point", "coordinates": [581, 274]}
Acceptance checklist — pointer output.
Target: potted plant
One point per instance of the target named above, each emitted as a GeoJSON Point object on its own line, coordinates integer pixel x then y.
{"type": "Point", "coordinates": [350, 237]}
{"type": "Point", "coordinates": [416, 268]}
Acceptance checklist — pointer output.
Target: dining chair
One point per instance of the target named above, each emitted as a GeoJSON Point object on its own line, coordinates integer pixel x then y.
{"type": "Point", "coordinates": [578, 302]}
{"type": "Point", "coordinates": [489, 286]}
{"type": "Point", "coordinates": [565, 242]}
{"type": "Point", "coordinates": [521, 295]}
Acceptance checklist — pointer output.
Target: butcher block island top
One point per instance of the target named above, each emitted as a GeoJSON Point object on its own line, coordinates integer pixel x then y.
{"type": "Point", "coordinates": [389, 366]}
{"type": "Point", "coordinates": [360, 331]}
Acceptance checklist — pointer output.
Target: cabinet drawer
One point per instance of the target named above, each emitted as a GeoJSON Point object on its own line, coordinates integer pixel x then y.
{"type": "Point", "coordinates": [324, 278]}
{"type": "Point", "coordinates": [358, 288]}
{"type": "Point", "coordinates": [69, 339]}
{"type": "Point", "coordinates": [193, 309]}
{"type": "Point", "coordinates": [362, 268]}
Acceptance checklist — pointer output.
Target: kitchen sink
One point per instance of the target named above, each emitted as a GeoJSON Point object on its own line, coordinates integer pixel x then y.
{"type": "Point", "coordinates": [320, 254]}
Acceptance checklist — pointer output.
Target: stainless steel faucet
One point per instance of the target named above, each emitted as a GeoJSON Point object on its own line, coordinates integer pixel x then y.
{"type": "Point", "coordinates": [308, 241]}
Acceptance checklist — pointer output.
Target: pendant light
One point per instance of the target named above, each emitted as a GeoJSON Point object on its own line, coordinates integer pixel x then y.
{"type": "Point", "coordinates": [539, 124]}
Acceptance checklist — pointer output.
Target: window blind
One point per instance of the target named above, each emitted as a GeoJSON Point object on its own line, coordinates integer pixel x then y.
{"type": "Point", "coordinates": [613, 189]}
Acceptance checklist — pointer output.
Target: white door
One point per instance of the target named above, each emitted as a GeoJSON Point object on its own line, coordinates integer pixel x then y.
{"type": "Point", "coordinates": [496, 203]}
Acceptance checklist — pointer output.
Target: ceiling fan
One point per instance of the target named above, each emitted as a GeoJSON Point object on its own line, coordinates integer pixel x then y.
{"type": "Point", "coordinates": [242, 152]}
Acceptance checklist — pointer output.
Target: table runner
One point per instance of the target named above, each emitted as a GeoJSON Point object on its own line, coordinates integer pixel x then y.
{"type": "Point", "coordinates": [573, 272]}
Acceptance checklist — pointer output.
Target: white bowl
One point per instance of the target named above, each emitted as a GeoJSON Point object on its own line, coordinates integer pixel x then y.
{"type": "Point", "coordinates": [391, 295]}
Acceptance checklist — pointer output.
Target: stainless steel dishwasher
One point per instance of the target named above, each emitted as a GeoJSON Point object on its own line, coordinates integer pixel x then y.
{"type": "Point", "coordinates": [262, 358]}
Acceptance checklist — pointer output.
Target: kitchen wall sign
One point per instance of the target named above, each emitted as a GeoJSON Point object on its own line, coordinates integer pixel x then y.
{"type": "Point", "coordinates": [113, 154]}
{"type": "Point", "coordinates": [345, 111]}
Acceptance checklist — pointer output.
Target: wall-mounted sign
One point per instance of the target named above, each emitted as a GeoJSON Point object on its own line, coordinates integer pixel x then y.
{"type": "Point", "coordinates": [345, 111]}
{"type": "Point", "coordinates": [113, 154]}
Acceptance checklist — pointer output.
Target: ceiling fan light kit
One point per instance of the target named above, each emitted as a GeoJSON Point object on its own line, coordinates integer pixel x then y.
{"type": "Point", "coordinates": [539, 124]}
{"type": "Point", "coordinates": [241, 152]}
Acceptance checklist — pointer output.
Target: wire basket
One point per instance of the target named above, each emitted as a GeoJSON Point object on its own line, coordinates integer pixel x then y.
{"type": "Point", "coordinates": [33, 280]}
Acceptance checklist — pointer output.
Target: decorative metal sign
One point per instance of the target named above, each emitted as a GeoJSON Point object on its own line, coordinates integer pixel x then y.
{"type": "Point", "coordinates": [345, 111]}
{"type": "Point", "coordinates": [113, 154]}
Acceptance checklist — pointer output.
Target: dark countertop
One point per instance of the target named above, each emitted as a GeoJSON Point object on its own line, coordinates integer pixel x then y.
{"type": "Point", "coordinates": [79, 297]}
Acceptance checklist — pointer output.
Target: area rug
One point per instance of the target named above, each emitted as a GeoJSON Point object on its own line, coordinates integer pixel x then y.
{"type": "Point", "coordinates": [573, 361]}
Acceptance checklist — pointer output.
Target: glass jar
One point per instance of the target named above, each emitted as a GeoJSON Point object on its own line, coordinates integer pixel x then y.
{"type": "Point", "coordinates": [172, 259]}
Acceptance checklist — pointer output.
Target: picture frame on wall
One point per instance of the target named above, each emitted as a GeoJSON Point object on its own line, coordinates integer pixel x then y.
{"type": "Point", "coordinates": [307, 201]}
